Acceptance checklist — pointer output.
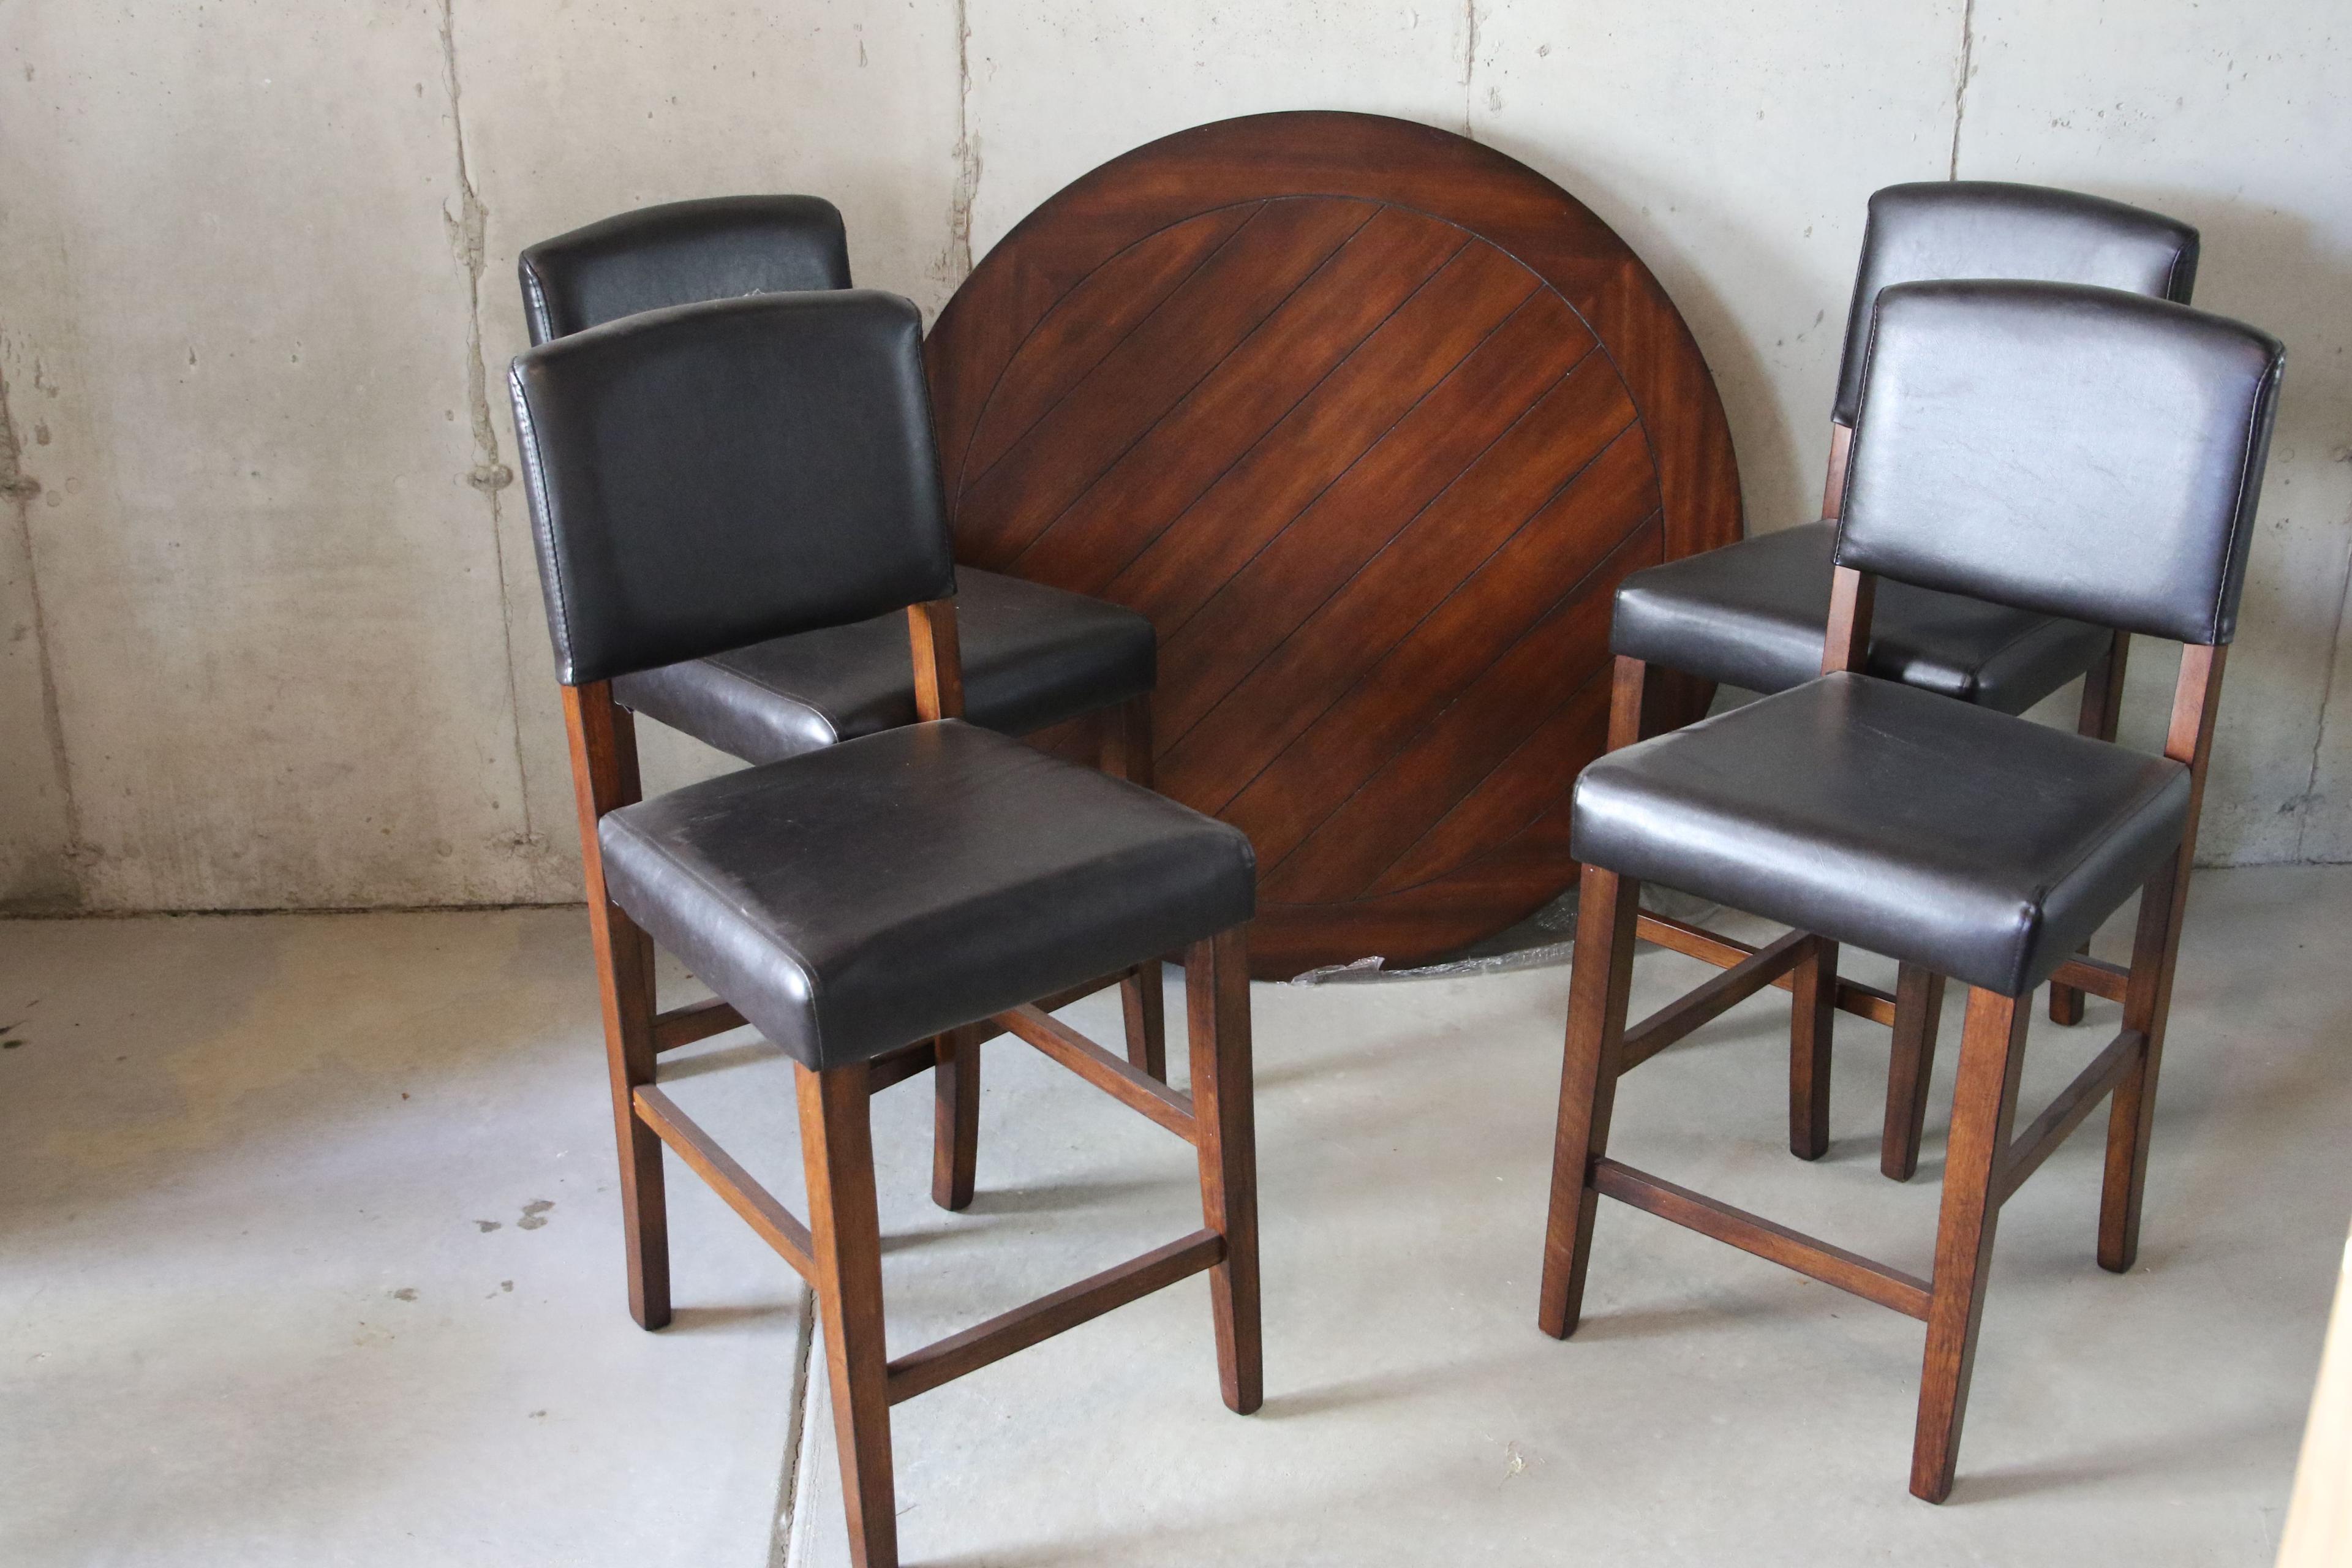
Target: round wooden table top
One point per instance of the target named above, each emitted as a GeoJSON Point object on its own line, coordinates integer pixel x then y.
{"type": "Point", "coordinates": [1371, 421]}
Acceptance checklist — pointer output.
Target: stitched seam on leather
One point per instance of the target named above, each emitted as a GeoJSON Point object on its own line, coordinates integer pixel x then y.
{"type": "Point", "coordinates": [2172, 275]}
{"type": "Point", "coordinates": [770, 688]}
{"type": "Point", "coordinates": [535, 288]}
{"type": "Point", "coordinates": [1853, 445]}
{"type": "Point", "coordinates": [535, 478]}
{"type": "Point", "coordinates": [2246, 477]}
{"type": "Point", "coordinates": [727, 901]}
{"type": "Point", "coordinates": [2114, 830]}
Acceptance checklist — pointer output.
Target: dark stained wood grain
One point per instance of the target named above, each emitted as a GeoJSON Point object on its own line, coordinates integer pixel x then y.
{"type": "Point", "coordinates": [1123, 1081]}
{"type": "Point", "coordinates": [1918, 999]}
{"type": "Point", "coordinates": [1590, 1063]}
{"type": "Point", "coordinates": [604, 778]}
{"type": "Point", "coordinates": [1369, 420]}
{"type": "Point", "coordinates": [955, 1119]}
{"type": "Point", "coordinates": [774, 1224]}
{"type": "Point", "coordinates": [1866, 1278]}
{"type": "Point", "coordinates": [1984, 1110]}
{"type": "Point", "coordinates": [1694, 1009]}
{"type": "Point", "coordinates": [1680, 936]}
{"type": "Point", "coordinates": [1813, 1014]}
{"type": "Point", "coordinates": [939, 659]}
{"type": "Point", "coordinates": [1039, 1320]}
{"type": "Point", "coordinates": [2102, 711]}
{"type": "Point", "coordinates": [846, 1246]}
{"type": "Point", "coordinates": [1224, 1135]}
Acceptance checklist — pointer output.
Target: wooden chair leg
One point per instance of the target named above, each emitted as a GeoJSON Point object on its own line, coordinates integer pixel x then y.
{"type": "Point", "coordinates": [1628, 701]}
{"type": "Point", "coordinates": [1984, 1112]}
{"type": "Point", "coordinates": [1126, 754]}
{"type": "Point", "coordinates": [846, 1242]}
{"type": "Point", "coordinates": [955, 1119]}
{"type": "Point", "coordinates": [1598, 984]}
{"type": "Point", "coordinates": [1918, 1009]}
{"type": "Point", "coordinates": [2131, 1116]}
{"type": "Point", "coordinates": [1142, 1001]}
{"type": "Point", "coordinates": [625, 962]}
{"type": "Point", "coordinates": [1216, 993]}
{"type": "Point", "coordinates": [604, 744]}
{"type": "Point", "coordinates": [2103, 706]}
{"type": "Point", "coordinates": [1811, 1013]}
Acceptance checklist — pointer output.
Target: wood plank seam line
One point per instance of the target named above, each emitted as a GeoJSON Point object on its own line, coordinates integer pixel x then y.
{"type": "Point", "coordinates": [1012, 567]}
{"type": "Point", "coordinates": [1262, 437]}
{"type": "Point", "coordinates": [1169, 633]}
{"type": "Point", "coordinates": [1549, 801]}
{"type": "Point", "coordinates": [1693, 942]}
{"type": "Point", "coordinates": [1697, 1008]}
{"type": "Point", "coordinates": [1195, 384]}
{"type": "Point", "coordinates": [2066, 1112]}
{"type": "Point", "coordinates": [777, 1226]}
{"type": "Point", "coordinates": [1536, 624]}
{"type": "Point", "coordinates": [1404, 526]}
{"type": "Point", "coordinates": [1849, 1272]}
{"type": "Point", "coordinates": [1111, 1074]}
{"type": "Point", "coordinates": [966, 482]}
{"type": "Point", "coordinates": [919, 1372]}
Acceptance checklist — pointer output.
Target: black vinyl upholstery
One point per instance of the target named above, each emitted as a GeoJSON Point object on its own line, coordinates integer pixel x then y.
{"type": "Point", "coordinates": [874, 892]}
{"type": "Point", "coordinates": [765, 465]}
{"type": "Point", "coordinates": [2079, 451]}
{"type": "Point", "coordinates": [1751, 614]}
{"type": "Point", "coordinates": [1032, 656]}
{"type": "Point", "coordinates": [715, 475]}
{"type": "Point", "coordinates": [1983, 847]}
{"type": "Point", "coordinates": [681, 253]}
{"type": "Point", "coordinates": [1986, 228]}
{"type": "Point", "coordinates": [2086, 451]}
{"type": "Point", "coordinates": [1775, 590]}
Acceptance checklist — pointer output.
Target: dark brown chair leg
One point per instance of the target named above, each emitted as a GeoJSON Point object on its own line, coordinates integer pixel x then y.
{"type": "Point", "coordinates": [1918, 1010]}
{"type": "Point", "coordinates": [1984, 1110]}
{"type": "Point", "coordinates": [1142, 1001]}
{"type": "Point", "coordinates": [2103, 707]}
{"type": "Point", "coordinates": [1811, 1013]}
{"type": "Point", "coordinates": [2147, 1004]}
{"type": "Point", "coordinates": [1598, 984]}
{"type": "Point", "coordinates": [1126, 754]}
{"type": "Point", "coordinates": [955, 1119]}
{"type": "Point", "coordinates": [1216, 993]}
{"type": "Point", "coordinates": [846, 1242]}
{"type": "Point", "coordinates": [604, 777]}
{"type": "Point", "coordinates": [1629, 714]}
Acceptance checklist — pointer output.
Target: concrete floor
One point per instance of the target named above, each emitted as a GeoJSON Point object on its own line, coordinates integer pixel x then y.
{"type": "Point", "coordinates": [308, 1255]}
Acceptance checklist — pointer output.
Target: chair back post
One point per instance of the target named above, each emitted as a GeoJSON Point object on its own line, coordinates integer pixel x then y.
{"type": "Point", "coordinates": [2188, 739]}
{"type": "Point", "coordinates": [939, 659]}
{"type": "Point", "coordinates": [1833, 483]}
{"type": "Point", "coordinates": [605, 774]}
{"type": "Point", "coordinates": [604, 778]}
{"type": "Point", "coordinates": [1852, 595]}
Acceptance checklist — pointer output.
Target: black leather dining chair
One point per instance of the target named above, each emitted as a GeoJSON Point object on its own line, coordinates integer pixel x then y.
{"type": "Point", "coordinates": [1750, 614]}
{"type": "Point", "coordinates": [2071, 451]}
{"type": "Point", "coordinates": [1034, 657]}
{"type": "Point", "coordinates": [719, 475]}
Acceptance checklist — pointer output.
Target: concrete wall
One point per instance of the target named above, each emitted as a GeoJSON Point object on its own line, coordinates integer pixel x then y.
{"type": "Point", "coordinates": [269, 632]}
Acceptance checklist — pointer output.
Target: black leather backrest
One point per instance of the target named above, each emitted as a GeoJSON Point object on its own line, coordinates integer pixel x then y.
{"type": "Point", "coordinates": [2083, 452]}
{"type": "Point", "coordinates": [715, 475]}
{"type": "Point", "coordinates": [1981, 228]}
{"type": "Point", "coordinates": [678, 254]}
